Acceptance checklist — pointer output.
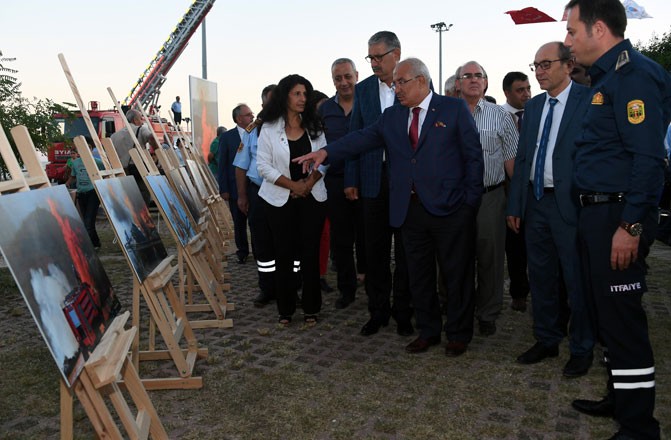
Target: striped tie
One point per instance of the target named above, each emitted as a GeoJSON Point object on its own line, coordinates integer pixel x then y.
{"type": "Point", "coordinates": [542, 149]}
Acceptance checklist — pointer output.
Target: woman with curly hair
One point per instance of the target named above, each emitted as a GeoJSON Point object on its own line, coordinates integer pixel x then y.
{"type": "Point", "coordinates": [294, 201]}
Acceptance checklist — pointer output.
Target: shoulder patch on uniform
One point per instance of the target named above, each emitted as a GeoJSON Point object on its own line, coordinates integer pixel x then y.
{"type": "Point", "coordinates": [251, 126]}
{"type": "Point", "coordinates": [597, 99]}
{"type": "Point", "coordinates": [636, 111]}
{"type": "Point", "coordinates": [622, 59]}
{"type": "Point", "coordinates": [242, 145]}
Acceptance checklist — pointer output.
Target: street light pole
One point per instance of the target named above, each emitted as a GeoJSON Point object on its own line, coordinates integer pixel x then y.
{"type": "Point", "coordinates": [440, 28]}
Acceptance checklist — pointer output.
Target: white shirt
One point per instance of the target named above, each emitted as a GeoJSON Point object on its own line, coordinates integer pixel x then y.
{"type": "Point", "coordinates": [387, 95]}
{"type": "Point", "coordinates": [557, 114]}
{"type": "Point", "coordinates": [424, 106]}
{"type": "Point", "coordinates": [272, 161]}
{"type": "Point", "coordinates": [513, 111]}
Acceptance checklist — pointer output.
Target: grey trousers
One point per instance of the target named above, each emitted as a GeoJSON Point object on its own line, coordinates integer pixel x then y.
{"type": "Point", "coordinates": [490, 254]}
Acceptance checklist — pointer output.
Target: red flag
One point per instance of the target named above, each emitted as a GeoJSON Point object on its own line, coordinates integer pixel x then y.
{"type": "Point", "coordinates": [529, 15]}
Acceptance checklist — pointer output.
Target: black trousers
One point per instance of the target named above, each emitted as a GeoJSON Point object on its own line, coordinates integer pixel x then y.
{"type": "Point", "coordinates": [342, 214]}
{"type": "Point", "coordinates": [296, 227]}
{"type": "Point", "coordinates": [621, 320]}
{"type": "Point", "coordinates": [263, 239]}
{"type": "Point", "coordinates": [450, 239]}
{"type": "Point", "coordinates": [378, 237]}
{"type": "Point", "coordinates": [240, 228]}
{"type": "Point", "coordinates": [88, 204]}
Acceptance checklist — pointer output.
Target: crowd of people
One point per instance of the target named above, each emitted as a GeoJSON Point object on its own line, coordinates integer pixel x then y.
{"type": "Point", "coordinates": [563, 186]}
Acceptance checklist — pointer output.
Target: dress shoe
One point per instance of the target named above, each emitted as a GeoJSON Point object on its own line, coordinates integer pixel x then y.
{"type": "Point", "coordinates": [597, 408]}
{"type": "Point", "coordinates": [537, 353]}
{"type": "Point", "coordinates": [405, 328]}
{"type": "Point", "coordinates": [487, 328]}
{"type": "Point", "coordinates": [372, 326]}
{"type": "Point", "coordinates": [519, 305]}
{"type": "Point", "coordinates": [263, 300]}
{"type": "Point", "coordinates": [343, 301]}
{"type": "Point", "coordinates": [455, 348]}
{"type": "Point", "coordinates": [242, 260]}
{"type": "Point", "coordinates": [420, 345]}
{"type": "Point", "coordinates": [578, 365]}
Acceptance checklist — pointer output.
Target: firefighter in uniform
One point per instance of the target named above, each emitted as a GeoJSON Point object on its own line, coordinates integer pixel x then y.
{"type": "Point", "coordinates": [248, 181]}
{"type": "Point", "coordinates": [618, 172]}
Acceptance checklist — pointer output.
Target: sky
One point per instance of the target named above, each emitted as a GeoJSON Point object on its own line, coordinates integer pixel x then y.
{"type": "Point", "coordinates": [253, 44]}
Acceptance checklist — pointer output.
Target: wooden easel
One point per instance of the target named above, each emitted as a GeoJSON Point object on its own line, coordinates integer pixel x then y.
{"type": "Point", "coordinates": [197, 263]}
{"type": "Point", "coordinates": [217, 203]}
{"type": "Point", "coordinates": [202, 264]}
{"type": "Point", "coordinates": [209, 229]}
{"type": "Point", "coordinates": [165, 308]}
{"type": "Point", "coordinates": [109, 363]}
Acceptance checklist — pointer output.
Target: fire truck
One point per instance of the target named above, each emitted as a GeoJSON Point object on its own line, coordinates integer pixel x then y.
{"type": "Point", "coordinates": [144, 93]}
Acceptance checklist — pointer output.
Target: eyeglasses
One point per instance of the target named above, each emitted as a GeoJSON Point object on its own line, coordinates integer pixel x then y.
{"type": "Point", "coordinates": [377, 58]}
{"type": "Point", "coordinates": [472, 75]}
{"type": "Point", "coordinates": [402, 82]}
{"type": "Point", "coordinates": [545, 64]}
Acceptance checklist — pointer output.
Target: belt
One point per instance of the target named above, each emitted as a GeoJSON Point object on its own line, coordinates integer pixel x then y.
{"type": "Point", "coordinates": [598, 198]}
{"type": "Point", "coordinates": [493, 187]}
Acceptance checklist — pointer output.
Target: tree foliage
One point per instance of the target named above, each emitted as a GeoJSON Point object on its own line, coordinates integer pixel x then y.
{"type": "Point", "coordinates": [35, 114]}
{"type": "Point", "coordinates": [659, 49]}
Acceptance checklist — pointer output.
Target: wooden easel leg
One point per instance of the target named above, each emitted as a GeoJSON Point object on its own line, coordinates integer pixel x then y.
{"type": "Point", "coordinates": [135, 347]}
{"type": "Point", "coordinates": [66, 411]}
{"type": "Point", "coordinates": [142, 402]}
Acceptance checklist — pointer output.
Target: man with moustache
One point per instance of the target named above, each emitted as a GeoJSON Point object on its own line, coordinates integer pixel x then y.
{"type": "Point", "coordinates": [366, 176]}
{"type": "Point", "coordinates": [619, 169]}
{"type": "Point", "coordinates": [498, 136]}
{"type": "Point", "coordinates": [342, 212]}
{"type": "Point", "coordinates": [542, 194]}
{"type": "Point", "coordinates": [436, 168]}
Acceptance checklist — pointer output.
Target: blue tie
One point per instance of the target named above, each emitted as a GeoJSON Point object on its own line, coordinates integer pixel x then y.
{"type": "Point", "coordinates": [542, 149]}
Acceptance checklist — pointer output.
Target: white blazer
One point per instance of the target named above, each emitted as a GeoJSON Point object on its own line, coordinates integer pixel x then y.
{"type": "Point", "coordinates": [272, 161]}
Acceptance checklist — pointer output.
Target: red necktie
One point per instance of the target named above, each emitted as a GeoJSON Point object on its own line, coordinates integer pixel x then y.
{"type": "Point", "coordinates": [413, 133]}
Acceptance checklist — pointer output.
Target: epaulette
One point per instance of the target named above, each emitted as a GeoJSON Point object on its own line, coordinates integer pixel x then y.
{"type": "Point", "coordinates": [252, 126]}
{"type": "Point", "coordinates": [622, 59]}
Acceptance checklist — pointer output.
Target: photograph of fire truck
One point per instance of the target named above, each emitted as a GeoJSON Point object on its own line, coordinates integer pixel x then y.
{"type": "Point", "coordinates": [52, 260]}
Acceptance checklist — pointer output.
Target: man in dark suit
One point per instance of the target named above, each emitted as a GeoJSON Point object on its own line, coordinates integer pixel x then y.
{"type": "Point", "coordinates": [542, 194]}
{"type": "Point", "coordinates": [366, 177]}
{"type": "Point", "coordinates": [229, 143]}
{"type": "Point", "coordinates": [435, 170]}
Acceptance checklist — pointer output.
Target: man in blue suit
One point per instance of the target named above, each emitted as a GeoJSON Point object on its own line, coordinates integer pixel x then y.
{"type": "Point", "coordinates": [542, 194]}
{"type": "Point", "coordinates": [366, 176]}
{"type": "Point", "coordinates": [435, 182]}
{"type": "Point", "coordinates": [229, 143]}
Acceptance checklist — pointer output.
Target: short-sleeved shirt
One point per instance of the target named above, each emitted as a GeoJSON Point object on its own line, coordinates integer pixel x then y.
{"type": "Point", "coordinates": [176, 107]}
{"type": "Point", "coordinates": [498, 136]}
{"type": "Point", "coordinates": [621, 145]}
{"type": "Point", "coordinates": [245, 158]}
{"type": "Point", "coordinates": [79, 172]}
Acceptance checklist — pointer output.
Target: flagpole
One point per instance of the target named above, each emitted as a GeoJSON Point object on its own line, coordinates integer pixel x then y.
{"type": "Point", "coordinates": [440, 28]}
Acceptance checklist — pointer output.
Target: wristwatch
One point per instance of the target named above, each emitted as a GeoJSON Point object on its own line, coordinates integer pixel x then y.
{"type": "Point", "coordinates": [634, 229]}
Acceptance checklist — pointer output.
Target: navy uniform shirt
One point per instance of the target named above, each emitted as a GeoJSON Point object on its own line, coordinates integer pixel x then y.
{"type": "Point", "coordinates": [337, 126]}
{"type": "Point", "coordinates": [622, 145]}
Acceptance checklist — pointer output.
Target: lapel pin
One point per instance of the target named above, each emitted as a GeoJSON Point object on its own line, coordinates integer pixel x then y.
{"type": "Point", "coordinates": [439, 124]}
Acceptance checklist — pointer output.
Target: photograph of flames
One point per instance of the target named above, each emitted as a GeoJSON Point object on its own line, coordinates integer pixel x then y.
{"type": "Point", "coordinates": [52, 260]}
{"type": "Point", "coordinates": [133, 224]}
